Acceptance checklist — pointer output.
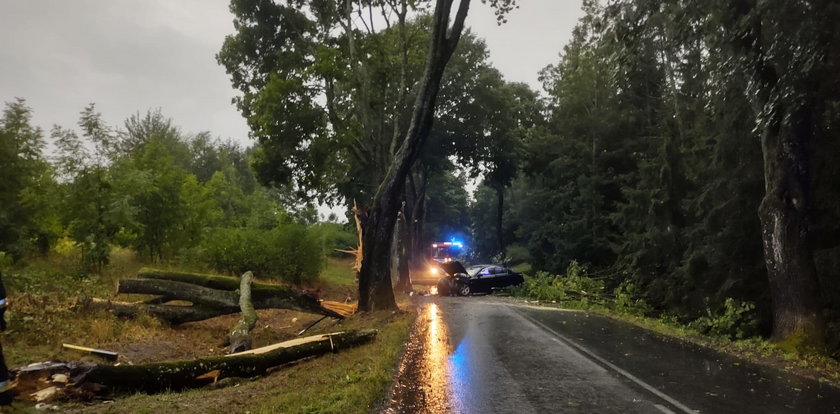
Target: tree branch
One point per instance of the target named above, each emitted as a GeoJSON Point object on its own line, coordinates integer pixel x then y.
{"type": "Point", "coordinates": [457, 26]}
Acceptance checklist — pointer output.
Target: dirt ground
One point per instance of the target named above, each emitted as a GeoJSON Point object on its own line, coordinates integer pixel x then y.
{"type": "Point", "coordinates": [206, 338]}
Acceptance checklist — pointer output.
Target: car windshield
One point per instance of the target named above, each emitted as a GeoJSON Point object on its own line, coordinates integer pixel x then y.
{"type": "Point", "coordinates": [473, 270]}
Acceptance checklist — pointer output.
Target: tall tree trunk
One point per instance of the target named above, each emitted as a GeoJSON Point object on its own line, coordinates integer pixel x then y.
{"type": "Point", "coordinates": [785, 221]}
{"type": "Point", "coordinates": [418, 218]}
{"type": "Point", "coordinates": [404, 252]}
{"type": "Point", "coordinates": [375, 291]}
{"type": "Point", "coordinates": [500, 209]}
{"type": "Point", "coordinates": [788, 123]}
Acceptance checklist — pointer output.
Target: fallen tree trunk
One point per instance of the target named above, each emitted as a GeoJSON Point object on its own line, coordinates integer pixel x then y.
{"type": "Point", "coordinates": [198, 295]}
{"type": "Point", "coordinates": [263, 294]}
{"type": "Point", "coordinates": [176, 375]}
{"type": "Point", "coordinates": [240, 336]}
{"type": "Point", "coordinates": [223, 300]}
{"type": "Point", "coordinates": [175, 315]}
{"type": "Point", "coordinates": [218, 282]}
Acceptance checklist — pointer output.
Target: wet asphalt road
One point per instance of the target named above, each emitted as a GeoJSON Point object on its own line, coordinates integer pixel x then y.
{"type": "Point", "coordinates": [484, 355]}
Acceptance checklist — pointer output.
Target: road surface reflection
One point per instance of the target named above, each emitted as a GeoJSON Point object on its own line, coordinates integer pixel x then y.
{"type": "Point", "coordinates": [461, 376]}
{"type": "Point", "coordinates": [435, 359]}
{"type": "Point", "coordinates": [423, 381]}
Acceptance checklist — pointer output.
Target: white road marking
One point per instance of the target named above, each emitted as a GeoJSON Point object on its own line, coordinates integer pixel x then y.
{"type": "Point", "coordinates": [664, 409]}
{"type": "Point", "coordinates": [566, 341]}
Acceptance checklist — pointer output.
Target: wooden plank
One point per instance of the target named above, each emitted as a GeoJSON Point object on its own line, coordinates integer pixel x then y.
{"type": "Point", "coordinates": [286, 344]}
{"type": "Point", "coordinates": [343, 309]}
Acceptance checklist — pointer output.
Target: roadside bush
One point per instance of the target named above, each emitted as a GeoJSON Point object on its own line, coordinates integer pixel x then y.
{"type": "Point", "coordinates": [573, 289]}
{"type": "Point", "coordinates": [289, 252]}
{"type": "Point", "coordinates": [737, 320]}
{"type": "Point", "coordinates": [541, 286]}
{"type": "Point", "coordinates": [628, 300]}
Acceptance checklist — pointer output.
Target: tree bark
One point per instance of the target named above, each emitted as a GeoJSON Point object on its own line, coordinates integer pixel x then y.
{"type": "Point", "coordinates": [240, 336]}
{"type": "Point", "coordinates": [788, 121]}
{"type": "Point", "coordinates": [500, 209]}
{"type": "Point", "coordinates": [785, 220]}
{"type": "Point", "coordinates": [198, 295]}
{"type": "Point", "coordinates": [404, 252]}
{"type": "Point", "coordinates": [179, 375]}
{"type": "Point", "coordinates": [375, 291]}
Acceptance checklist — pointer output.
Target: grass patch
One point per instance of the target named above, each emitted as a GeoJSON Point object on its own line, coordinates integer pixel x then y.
{"type": "Point", "coordinates": [338, 272]}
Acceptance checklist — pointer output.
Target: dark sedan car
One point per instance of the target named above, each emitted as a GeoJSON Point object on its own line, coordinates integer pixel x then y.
{"type": "Point", "coordinates": [474, 279]}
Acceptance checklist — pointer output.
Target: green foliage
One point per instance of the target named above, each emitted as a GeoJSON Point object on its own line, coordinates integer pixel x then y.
{"type": "Point", "coordinates": [737, 320]}
{"type": "Point", "coordinates": [628, 300]}
{"type": "Point", "coordinates": [27, 189]}
{"type": "Point", "coordinates": [155, 190]}
{"type": "Point", "coordinates": [574, 289]}
{"type": "Point", "coordinates": [648, 167]}
{"type": "Point", "coordinates": [446, 205]}
{"type": "Point", "coordinates": [541, 286]}
{"type": "Point", "coordinates": [289, 252]}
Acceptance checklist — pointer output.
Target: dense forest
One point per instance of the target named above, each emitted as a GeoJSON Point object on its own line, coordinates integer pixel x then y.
{"type": "Point", "coordinates": [676, 152]}
{"type": "Point", "coordinates": [654, 164]}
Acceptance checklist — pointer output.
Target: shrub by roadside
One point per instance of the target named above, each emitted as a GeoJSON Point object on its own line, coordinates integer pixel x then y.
{"type": "Point", "coordinates": [288, 252]}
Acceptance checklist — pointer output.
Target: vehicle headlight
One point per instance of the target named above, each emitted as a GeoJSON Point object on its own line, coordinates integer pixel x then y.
{"type": "Point", "coordinates": [433, 270]}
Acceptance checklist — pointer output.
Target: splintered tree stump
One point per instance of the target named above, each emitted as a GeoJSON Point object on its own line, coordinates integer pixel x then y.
{"type": "Point", "coordinates": [240, 336]}
{"type": "Point", "coordinates": [178, 375]}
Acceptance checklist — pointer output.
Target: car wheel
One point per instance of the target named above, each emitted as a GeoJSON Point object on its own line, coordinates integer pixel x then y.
{"type": "Point", "coordinates": [464, 289]}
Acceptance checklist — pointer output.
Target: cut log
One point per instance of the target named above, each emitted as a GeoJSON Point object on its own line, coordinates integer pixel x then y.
{"type": "Point", "coordinates": [179, 375]}
{"type": "Point", "coordinates": [198, 295]}
{"type": "Point", "coordinates": [175, 315]}
{"type": "Point", "coordinates": [226, 301]}
{"type": "Point", "coordinates": [263, 295]}
{"type": "Point", "coordinates": [240, 336]}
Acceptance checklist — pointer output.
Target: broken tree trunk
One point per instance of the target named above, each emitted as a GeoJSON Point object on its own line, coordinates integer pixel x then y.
{"type": "Point", "coordinates": [263, 294]}
{"type": "Point", "coordinates": [198, 295]}
{"type": "Point", "coordinates": [240, 336]}
{"type": "Point", "coordinates": [179, 375]}
{"type": "Point", "coordinates": [226, 301]}
{"type": "Point", "coordinates": [175, 315]}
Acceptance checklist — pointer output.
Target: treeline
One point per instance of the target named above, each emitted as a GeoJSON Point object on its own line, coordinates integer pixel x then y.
{"type": "Point", "coordinates": [149, 187]}
{"type": "Point", "coordinates": [667, 125]}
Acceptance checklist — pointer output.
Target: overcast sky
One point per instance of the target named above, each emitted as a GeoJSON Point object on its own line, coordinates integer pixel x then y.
{"type": "Point", "coordinates": [133, 55]}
